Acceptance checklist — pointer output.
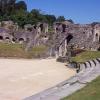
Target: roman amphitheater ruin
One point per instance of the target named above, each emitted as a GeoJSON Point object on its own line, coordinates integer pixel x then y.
{"type": "Point", "coordinates": [85, 36]}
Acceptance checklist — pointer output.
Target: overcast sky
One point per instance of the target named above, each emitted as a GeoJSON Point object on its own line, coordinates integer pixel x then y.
{"type": "Point", "coordinates": [81, 11]}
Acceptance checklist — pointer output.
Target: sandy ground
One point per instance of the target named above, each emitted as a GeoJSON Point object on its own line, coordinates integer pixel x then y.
{"type": "Point", "coordinates": [23, 78]}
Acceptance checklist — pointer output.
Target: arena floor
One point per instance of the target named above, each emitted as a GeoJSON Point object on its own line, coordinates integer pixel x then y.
{"type": "Point", "coordinates": [20, 78]}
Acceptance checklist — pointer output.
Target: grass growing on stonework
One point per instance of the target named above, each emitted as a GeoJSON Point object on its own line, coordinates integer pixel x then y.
{"type": "Point", "coordinates": [90, 92]}
{"type": "Point", "coordinates": [85, 56]}
{"type": "Point", "coordinates": [17, 51]}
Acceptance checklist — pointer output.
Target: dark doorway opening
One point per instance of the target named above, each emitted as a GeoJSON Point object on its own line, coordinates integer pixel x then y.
{"type": "Point", "coordinates": [64, 28]}
{"type": "Point", "coordinates": [21, 39]}
{"type": "Point", "coordinates": [69, 37]}
{"type": "Point", "coordinates": [1, 37]}
{"type": "Point", "coordinates": [7, 38]}
{"type": "Point", "coordinates": [41, 26]}
{"type": "Point", "coordinates": [13, 39]}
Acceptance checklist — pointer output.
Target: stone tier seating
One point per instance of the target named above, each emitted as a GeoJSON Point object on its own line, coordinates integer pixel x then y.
{"type": "Point", "coordinates": [88, 72]}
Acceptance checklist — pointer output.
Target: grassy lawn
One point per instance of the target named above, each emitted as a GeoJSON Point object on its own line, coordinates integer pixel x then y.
{"type": "Point", "coordinates": [90, 92]}
{"type": "Point", "coordinates": [87, 55]}
{"type": "Point", "coordinates": [17, 51]}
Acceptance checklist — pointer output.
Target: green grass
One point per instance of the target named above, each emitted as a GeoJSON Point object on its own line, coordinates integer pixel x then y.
{"type": "Point", "coordinates": [90, 92]}
{"type": "Point", "coordinates": [87, 55]}
{"type": "Point", "coordinates": [17, 51]}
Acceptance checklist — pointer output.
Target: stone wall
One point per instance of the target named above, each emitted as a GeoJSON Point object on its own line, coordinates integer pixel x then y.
{"type": "Point", "coordinates": [83, 36]}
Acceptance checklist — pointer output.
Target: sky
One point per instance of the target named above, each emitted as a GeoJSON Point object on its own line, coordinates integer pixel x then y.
{"type": "Point", "coordinates": [80, 11]}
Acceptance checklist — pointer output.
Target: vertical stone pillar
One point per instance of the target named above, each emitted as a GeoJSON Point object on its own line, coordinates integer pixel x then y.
{"type": "Point", "coordinates": [94, 38]}
{"type": "Point", "coordinates": [46, 28]}
{"type": "Point", "coordinates": [39, 30]}
{"type": "Point", "coordinates": [50, 54]}
{"type": "Point", "coordinates": [55, 27]}
{"type": "Point", "coordinates": [88, 34]}
{"type": "Point", "coordinates": [94, 35]}
{"type": "Point", "coordinates": [56, 54]}
{"type": "Point", "coordinates": [65, 51]}
{"type": "Point", "coordinates": [60, 51]}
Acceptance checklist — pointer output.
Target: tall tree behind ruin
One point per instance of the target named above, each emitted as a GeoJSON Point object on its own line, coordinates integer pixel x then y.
{"type": "Point", "coordinates": [9, 6]}
{"type": "Point", "coordinates": [6, 6]}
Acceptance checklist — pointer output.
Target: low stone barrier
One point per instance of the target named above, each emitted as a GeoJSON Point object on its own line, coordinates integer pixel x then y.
{"type": "Point", "coordinates": [88, 71]}
{"type": "Point", "coordinates": [89, 64]}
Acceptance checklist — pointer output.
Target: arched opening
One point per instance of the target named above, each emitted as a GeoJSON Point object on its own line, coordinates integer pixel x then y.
{"type": "Point", "coordinates": [98, 49]}
{"type": "Point", "coordinates": [96, 35]}
{"type": "Point", "coordinates": [64, 28]}
{"type": "Point", "coordinates": [7, 38]}
{"type": "Point", "coordinates": [29, 29]}
{"type": "Point", "coordinates": [1, 37]}
{"type": "Point", "coordinates": [57, 29]}
{"type": "Point", "coordinates": [41, 26]}
{"type": "Point", "coordinates": [21, 40]}
{"type": "Point", "coordinates": [69, 37]}
{"type": "Point", "coordinates": [13, 39]}
{"type": "Point", "coordinates": [35, 26]}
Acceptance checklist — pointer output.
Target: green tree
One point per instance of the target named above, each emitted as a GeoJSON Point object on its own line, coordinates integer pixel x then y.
{"type": "Point", "coordinates": [38, 16]}
{"type": "Point", "coordinates": [50, 19]}
{"type": "Point", "coordinates": [6, 6]}
{"type": "Point", "coordinates": [21, 5]}
{"type": "Point", "coordinates": [61, 18]}
{"type": "Point", "coordinates": [20, 17]}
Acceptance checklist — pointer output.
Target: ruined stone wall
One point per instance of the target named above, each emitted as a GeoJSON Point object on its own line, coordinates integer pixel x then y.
{"type": "Point", "coordinates": [83, 36]}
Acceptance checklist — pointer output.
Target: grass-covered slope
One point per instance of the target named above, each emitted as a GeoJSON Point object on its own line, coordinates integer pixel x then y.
{"type": "Point", "coordinates": [87, 55]}
{"type": "Point", "coordinates": [17, 51]}
{"type": "Point", "coordinates": [90, 92]}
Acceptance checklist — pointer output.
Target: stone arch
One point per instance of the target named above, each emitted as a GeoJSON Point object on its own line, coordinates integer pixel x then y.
{"type": "Point", "coordinates": [29, 29]}
{"type": "Point", "coordinates": [21, 40]}
{"type": "Point", "coordinates": [96, 34]}
{"type": "Point", "coordinates": [41, 26]}
{"type": "Point", "coordinates": [35, 26]}
{"type": "Point", "coordinates": [98, 49]}
{"type": "Point", "coordinates": [99, 38]}
{"type": "Point", "coordinates": [69, 37]}
{"type": "Point", "coordinates": [13, 39]}
{"type": "Point", "coordinates": [7, 38]}
{"type": "Point", "coordinates": [1, 37]}
{"type": "Point", "coordinates": [63, 28]}
{"type": "Point", "coordinates": [96, 37]}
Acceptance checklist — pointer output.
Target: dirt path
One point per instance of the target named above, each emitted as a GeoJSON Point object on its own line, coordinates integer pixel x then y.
{"type": "Point", "coordinates": [23, 78]}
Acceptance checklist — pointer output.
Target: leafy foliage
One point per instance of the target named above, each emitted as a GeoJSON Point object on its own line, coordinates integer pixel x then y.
{"type": "Point", "coordinates": [17, 11]}
{"type": "Point", "coordinates": [61, 18]}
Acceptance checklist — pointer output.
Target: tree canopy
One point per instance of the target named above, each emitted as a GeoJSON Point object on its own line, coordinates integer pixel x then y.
{"type": "Point", "coordinates": [17, 11]}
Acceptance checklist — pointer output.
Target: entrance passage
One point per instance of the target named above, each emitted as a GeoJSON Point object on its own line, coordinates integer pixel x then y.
{"type": "Point", "coordinates": [69, 37]}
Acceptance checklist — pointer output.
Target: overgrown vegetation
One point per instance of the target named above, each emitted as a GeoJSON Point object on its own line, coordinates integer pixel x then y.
{"type": "Point", "coordinates": [17, 51]}
{"type": "Point", "coordinates": [85, 56]}
{"type": "Point", "coordinates": [90, 92]}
